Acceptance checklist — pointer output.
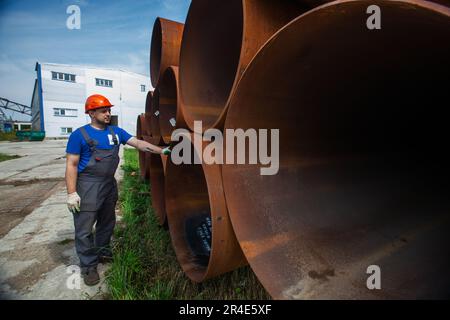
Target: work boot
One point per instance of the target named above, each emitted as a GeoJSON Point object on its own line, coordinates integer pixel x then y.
{"type": "Point", "coordinates": [91, 277]}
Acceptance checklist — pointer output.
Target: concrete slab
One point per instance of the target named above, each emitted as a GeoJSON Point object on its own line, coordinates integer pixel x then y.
{"type": "Point", "coordinates": [18, 200]}
{"type": "Point", "coordinates": [34, 154]}
{"type": "Point", "coordinates": [37, 255]}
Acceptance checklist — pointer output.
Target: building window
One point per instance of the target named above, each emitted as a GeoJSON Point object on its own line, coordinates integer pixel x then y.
{"type": "Point", "coordinates": [63, 76]}
{"type": "Point", "coordinates": [64, 112]}
{"type": "Point", "coordinates": [142, 87]}
{"type": "Point", "coordinates": [22, 127]}
{"type": "Point", "coordinates": [66, 131]}
{"type": "Point", "coordinates": [103, 83]}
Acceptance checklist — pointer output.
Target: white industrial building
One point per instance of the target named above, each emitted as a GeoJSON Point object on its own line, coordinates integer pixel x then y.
{"type": "Point", "coordinates": [60, 92]}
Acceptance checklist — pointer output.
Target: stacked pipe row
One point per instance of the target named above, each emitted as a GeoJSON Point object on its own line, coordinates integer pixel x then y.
{"type": "Point", "coordinates": [362, 179]}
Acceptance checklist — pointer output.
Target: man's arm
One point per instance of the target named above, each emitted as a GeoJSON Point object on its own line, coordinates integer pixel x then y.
{"type": "Point", "coordinates": [144, 146]}
{"type": "Point", "coordinates": [72, 172]}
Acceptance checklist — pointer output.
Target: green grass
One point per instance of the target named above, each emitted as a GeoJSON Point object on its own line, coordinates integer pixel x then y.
{"type": "Point", "coordinates": [145, 265]}
{"type": "Point", "coordinates": [4, 157]}
{"type": "Point", "coordinates": [10, 136]}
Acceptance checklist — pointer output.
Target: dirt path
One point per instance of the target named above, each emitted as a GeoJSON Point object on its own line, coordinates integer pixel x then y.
{"type": "Point", "coordinates": [37, 255]}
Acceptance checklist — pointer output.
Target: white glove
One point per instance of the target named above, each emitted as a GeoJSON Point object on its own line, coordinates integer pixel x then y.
{"type": "Point", "coordinates": [73, 202]}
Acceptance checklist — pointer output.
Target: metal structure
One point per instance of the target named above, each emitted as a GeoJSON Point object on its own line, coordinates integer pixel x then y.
{"type": "Point", "coordinates": [14, 106]}
{"type": "Point", "coordinates": [6, 104]}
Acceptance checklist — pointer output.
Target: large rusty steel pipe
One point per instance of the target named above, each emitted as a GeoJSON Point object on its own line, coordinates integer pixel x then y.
{"type": "Point", "coordinates": [140, 126]}
{"type": "Point", "coordinates": [170, 116]}
{"type": "Point", "coordinates": [157, 173]}
{"type": "Point", "coordinates": [363, 176]}
{"type": "Point", "coordinates": [154, 119]}
{"type": "Point", "coordinates": [143, 162]}
{"type": "Point", "coordinates": [220, 39]}
{"type": "Point", "coordinates": [165, 47]}
{"type": "Point", "coordinates": [147, 133]}
{"type": "Point", "coordinates": [199, 225]}
{"type": "Point", "coordinates": [148, 102]}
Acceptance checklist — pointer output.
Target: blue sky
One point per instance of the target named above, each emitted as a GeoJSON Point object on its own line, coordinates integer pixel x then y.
{"type": "Point", "coordinates": [114, 34]}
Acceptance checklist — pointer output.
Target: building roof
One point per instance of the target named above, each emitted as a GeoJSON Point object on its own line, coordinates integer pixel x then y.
{"type": "Point", "coordinates": [89, 67]}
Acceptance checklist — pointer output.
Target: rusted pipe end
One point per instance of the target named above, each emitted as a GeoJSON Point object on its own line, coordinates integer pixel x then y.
{"type": "Point", "coordinates": [170, 117]}
{"type": "Point", "coordinates": [154, 119]}
{"type": "Point", "coordinates": [199, 225]}
{"type": "Point", "coordinates": [139, 125]}
{"type": "Point", "coordinates": [148, 102]}
{"type": "Point", "coordinates": [165, 47]}
{"type": "Point", "coordinates": [148, 124]}
{"type": "Point", "coordinates": [157, 173]}
{"type": "Point", "coordinates": [143, 164]}
{"type": "Point", "coordinates": [220, 39]}
{"type": "Point", "coordinates": [363, 176]}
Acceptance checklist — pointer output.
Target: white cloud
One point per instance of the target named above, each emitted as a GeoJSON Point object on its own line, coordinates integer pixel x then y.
{"type": "Point", "coordinates": [17, 79]}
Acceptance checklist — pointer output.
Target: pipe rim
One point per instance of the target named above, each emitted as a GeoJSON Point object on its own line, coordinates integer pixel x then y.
{"type": "Point", "coordinates": [168, 89]}
{"type": "Point", "coordinates": [216, 90]}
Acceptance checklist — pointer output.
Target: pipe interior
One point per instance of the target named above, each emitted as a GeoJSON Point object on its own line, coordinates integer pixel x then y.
{"type": "Point", "coordinates": [209, 57]}
{"type": "Point", "coordinates": [148, 102]}
{"type": "Point", "coordinates": [363, 175]}
{"type": "Point", "coordinates": [139, 127]}
{"type": "Point", "coordinates": [155, 52]}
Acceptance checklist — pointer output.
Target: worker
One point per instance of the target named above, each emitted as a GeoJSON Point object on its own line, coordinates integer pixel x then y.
{"type": "Point", "coordinates": [92, 160]}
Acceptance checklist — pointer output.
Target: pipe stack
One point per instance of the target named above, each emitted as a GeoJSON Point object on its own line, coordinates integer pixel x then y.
{"type": "Point", "coordinates": [141, 131]}
{"type": "Point", "coordinates": [363, 178]}
{"type": "Point", "coordinates": [164, 61]}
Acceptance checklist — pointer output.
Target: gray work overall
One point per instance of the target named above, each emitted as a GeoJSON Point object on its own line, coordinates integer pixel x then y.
{"type": "Point", "coordinates": [97, 189]}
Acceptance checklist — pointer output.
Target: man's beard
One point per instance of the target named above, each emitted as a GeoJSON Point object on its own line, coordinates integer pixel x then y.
{"type": "Point", "coordinates": [104, 121]}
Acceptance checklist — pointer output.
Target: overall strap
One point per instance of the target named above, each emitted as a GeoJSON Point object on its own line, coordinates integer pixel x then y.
{"type": "Point", "coordinates": [91, 142]}
{"type": "Point", "coordinates": [114, 138]}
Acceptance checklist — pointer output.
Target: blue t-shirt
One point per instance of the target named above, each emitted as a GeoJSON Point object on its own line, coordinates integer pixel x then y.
{"type": "Point", "coordinates": [78, 145]}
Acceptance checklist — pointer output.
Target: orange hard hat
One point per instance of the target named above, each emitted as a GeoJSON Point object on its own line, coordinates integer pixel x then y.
{"type": "Point", "coordinates": [96, 101]}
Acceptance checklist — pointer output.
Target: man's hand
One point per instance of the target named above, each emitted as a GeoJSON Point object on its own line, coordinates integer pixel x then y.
{"type": "Point", "coordinates": [73, 202]}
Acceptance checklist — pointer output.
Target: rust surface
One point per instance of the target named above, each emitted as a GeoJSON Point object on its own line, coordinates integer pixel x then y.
{"type": "Point", "coordinates": [165, 47]}
{"type": "Point", "coordinates": [219, 41]}
{"type": "Point", "coordinates": [171, 116]}
{"type": "Point", "coordinates": [363, 177]}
